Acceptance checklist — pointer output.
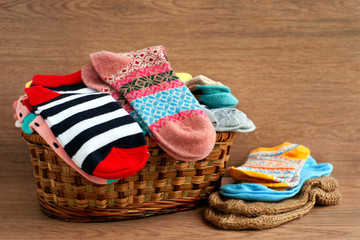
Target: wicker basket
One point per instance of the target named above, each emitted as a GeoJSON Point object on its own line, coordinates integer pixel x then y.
{"type": "Point", "coordinates": [164, 185]}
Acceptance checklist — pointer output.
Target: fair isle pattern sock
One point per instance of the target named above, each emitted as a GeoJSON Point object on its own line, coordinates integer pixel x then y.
{"type": "Point", "coordinates": [96, 133]}
{"type": "Point", "coordinates": [92, 80]}
{"type": "Point", "coordinates": [277, 167]}
{"type": "Point", "coordinates": [169, 111]}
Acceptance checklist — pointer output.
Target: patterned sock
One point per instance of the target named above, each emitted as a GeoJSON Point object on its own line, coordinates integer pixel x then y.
{"type": "Point", "coordinates": [96, 133]}
{"type": "Point", "coordinates": [92, 80]}
{"type": "Point", "coordinates": [31, 122]}
{"type": "Point", "coordinates": [169, 111]}
{"type": "Point", "coordinates": [40, 126]}
{"type": "Point", "coordinates": [277, 167]}
{"type": "Point", "coordinates": [258, 192]}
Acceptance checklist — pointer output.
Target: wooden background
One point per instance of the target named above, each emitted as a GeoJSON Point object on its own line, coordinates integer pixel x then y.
{"type": "Point", "coordinates": [293, 65]}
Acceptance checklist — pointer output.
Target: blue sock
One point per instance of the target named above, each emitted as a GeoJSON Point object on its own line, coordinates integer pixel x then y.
{"type": "Point", "coordinates": [258, 192]}
{"type": "Point", "coordinates": [27, 120]}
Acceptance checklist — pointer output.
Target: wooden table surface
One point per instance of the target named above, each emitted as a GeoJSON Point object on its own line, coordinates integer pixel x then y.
{"type": "Point", "coordinates": [293, 65]}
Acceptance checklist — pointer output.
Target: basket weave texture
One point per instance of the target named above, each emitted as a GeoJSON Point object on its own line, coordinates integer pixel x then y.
{"type": "Point", "coordinates": [163, 185]}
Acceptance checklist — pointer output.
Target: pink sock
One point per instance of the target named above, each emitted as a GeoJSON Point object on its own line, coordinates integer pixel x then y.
{"type": "Point", "coordinates": [169, 110]}
{"type": "Point", "coordinates": [21, 109]}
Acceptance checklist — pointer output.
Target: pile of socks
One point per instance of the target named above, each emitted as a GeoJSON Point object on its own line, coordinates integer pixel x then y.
{"type": "Point", "coordinates": [95, 119]}
{"type": "Point", "coordinates": [274, 186]}
{"type": "Point", "coordinates": [219, 104]}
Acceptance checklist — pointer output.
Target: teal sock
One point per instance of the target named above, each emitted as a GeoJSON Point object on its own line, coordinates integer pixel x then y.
{"type": "Point", "coordinates": [215, 96]}
{"type": "Point", "coordinates": [258, 192]}
{"type": "Point", "coordinates": [27, 120]}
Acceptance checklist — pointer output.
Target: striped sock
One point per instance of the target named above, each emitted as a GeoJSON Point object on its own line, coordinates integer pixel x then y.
{"type": "Point", "coordinates": [97, 134]}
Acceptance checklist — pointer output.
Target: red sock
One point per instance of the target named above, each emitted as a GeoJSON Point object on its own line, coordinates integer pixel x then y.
{"type": "Point", "coordinates": [57, 80]}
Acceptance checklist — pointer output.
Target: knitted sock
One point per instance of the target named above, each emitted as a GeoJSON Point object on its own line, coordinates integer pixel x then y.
{"type": "Point", "coordinates": [256, 208]}
{"type": "Point", "coordinates": [258, 192]}
{"type": "Point", "coordinates": [276, 167]}
{"type": "Point", "coordinates": [232, 120]}
{"type": "Point", "coordinates": [31, 122]}
{"type": "Point", "coordinates": [171, 114]}
{"type": "Point", "coordinates": [96, 133]}
{"type": "Point", "coordinates": [236, 221]}
{"type": "Point", "coordinates": [40, 126]}
{"type": "Point", "coordinates": [93, 81]}
{"type": "Point", "coordinates": [214, 96]}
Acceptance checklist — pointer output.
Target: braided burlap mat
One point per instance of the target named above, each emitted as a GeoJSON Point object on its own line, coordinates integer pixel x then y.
{"type": "Point", "coordinates": [238, 214]}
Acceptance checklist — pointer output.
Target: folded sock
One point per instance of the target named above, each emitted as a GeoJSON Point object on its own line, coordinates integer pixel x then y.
{"type": "Point", "coordinates": [170, 113]}
{"type": "Point", "coordinates": [276, 167]}
{"type": "Point", "coordinates": [96, 133]}
{"type": "Point", "coordinates": [215, 96]}
{"type": "Point", "coordinates": [232, 120]}
{"type": "Point", "coordinates": [269, 215]}
{"type": "Point", "coordinates": [258, 192]}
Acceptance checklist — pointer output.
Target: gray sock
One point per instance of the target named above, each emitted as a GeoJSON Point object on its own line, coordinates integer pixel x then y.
{"type": "Point", "coordinates": [232, 120]}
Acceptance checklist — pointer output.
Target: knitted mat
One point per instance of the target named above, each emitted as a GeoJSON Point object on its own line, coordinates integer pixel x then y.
{"type": "Point", "coordinates": [237, 214]}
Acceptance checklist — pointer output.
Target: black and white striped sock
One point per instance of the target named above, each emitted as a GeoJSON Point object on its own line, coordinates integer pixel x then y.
{"type": "Point", "coordinates": [96, 133]}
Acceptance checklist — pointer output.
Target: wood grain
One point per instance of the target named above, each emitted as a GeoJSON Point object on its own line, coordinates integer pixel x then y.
{"type": "Point", "coordinates": [293, 65]}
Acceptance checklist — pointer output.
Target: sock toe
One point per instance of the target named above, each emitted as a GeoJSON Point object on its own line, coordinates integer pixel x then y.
{"type": "Point", "coordinates": [122, 163]}
{"type": "Point", "coordinates": [189, 139]}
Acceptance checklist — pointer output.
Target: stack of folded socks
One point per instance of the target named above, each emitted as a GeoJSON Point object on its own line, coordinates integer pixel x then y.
{"type": "Point", "coordinates": [219, 104]}
{"type": "Point", "coordinates": [238, 214]}
{"type": "Point", "coordinates": [275, 185]}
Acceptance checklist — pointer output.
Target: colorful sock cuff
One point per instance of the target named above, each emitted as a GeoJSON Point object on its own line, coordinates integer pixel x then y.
{"type": "Point", "coordinates": [57, 80]}
{"type": "Point", "coordinates": [276, 167]}
{"type": "Point", "coordinates": [126, 67]}
{"type": "Point", "coordinates": [258, 192]}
